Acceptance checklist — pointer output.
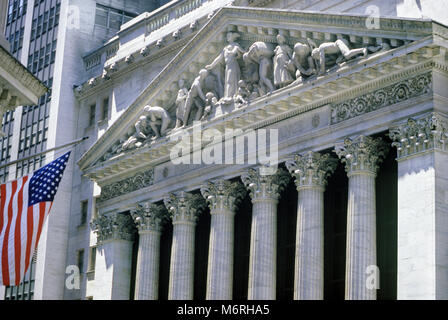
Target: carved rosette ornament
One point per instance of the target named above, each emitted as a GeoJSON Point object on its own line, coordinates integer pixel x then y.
{"type": "Point", "coordinates": [223, 194]}
{"type": "Point", "coordinates": [113, 226]}
{"type": "Point", "coordinates": [265, 186]}
{"type": "Point", "coordinates": [363, 154]}
{"type": "Point", "coordinates": [311, 169]}
{"type": "Point", "coordinates": [149, 217]}
{"type": "Point", "coordinates": [420, 135]}
{"type": "Point", "coordinates": [184, 207]}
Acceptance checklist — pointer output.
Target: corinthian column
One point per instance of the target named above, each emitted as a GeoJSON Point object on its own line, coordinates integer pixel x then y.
{"type": "Point", "coordinates": [310, 172]}
{"type": "Point", "coordinates": [149, 219]}
{"type": "Point", "coordinates": [361, 157]}
{"type": "Point", "coordinates": [422, 265]}
{"type": "Point", "coordinates": [222, 197]}
{"type": "Point", "coordinates": [265, 192]}
{"type": "Point", "coordinates": [184, 209]}
{"type": "Point", "coordinates": [113, 267]}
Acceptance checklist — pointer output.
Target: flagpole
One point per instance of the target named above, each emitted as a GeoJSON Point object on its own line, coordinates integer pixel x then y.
{"type": "Point", "coordinates": [43, 152]}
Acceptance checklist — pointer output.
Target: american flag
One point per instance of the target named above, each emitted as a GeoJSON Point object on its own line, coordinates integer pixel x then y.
{"type": "Point", "coordinates": [25, 205]}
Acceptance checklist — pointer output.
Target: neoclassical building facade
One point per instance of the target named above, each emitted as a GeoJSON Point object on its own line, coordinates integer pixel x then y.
{"type": "Point", "coordinates": [261, 153]}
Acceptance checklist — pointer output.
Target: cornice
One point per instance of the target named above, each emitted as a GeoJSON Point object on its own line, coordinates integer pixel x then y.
{"type": "Point", "coordinates": [21, 74]}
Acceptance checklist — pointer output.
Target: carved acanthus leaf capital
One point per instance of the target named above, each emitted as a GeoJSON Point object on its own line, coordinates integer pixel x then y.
{"type": "Point", "coordinates": [223, 194]}
{"type": "Point", "coordinates": [420, 135]}
{"type": "Point", "coordinates": [149, 217]}
{"type": "Point", "coordinates": [184, 207]}
{"type": "Point", "coordinates": [311, 169]}
{"type": "Point", "coordinates": [265, 186]}
{"type": "Point", "coordinates": [363, 154]}
{"type": "Point", "coordinates": [113, 226]}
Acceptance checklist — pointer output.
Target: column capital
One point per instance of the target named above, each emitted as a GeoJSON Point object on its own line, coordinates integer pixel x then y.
{"type": "Point", "coordinates": [362, 154]}
{"type": "Point", "coordinates": [264, 184]}
{"type": "Point", "coordinates": [184, 206]}
{"type": "Point", "coordinates": [223, 194]}
{"type": "Point", "coordinates": [420, 135]}
{"type": "Point", "coordinates": [113, 226]}
{"type": "Point", "coordinates": [149, 217]}
{"type": "Point", "coordinates": [311, 169]}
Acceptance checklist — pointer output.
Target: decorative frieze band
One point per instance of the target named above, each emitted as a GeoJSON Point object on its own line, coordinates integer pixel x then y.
{"type": "Point", "coordinates": [223, 194]}
{"type": "Point", "coordinates": [149, 217]}
{"type": "Point", "coordinates": [116, 189]}
{"type": "Point", "coordinates": [420, 135]}
{"type": "Point", "coordinates": [113, 226]}
{"type": "Point", "coordinates": [363, 154]}
{"type": "Point", "coordinates": [381, 98]}
{"type": "Point", "coordinates": [311, 169]}
{"type": "Point", "coordinates": [184, 206]}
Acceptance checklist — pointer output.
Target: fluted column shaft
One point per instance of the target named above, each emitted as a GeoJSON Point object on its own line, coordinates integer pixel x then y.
{"type": "Point", "coordinates": [182, 261]}
{"type": "Point", "coordinates": [265, 192]}
{"type": "Point", "coordinates": [361, 157]}
{"type": "Point", "coordinates": [149, 219]}
{"type": "Point", "coordinates": [263, 250]}
{"type": "Point", "coordinates": [222, 197]}
{"type": "Point", "coordinates": [310, 172]}
{"type": "Point", "coordinates": [309, 261]}
{"type": "Point", "coordinates": [184, 208]}
{"type": "Point", "coordinates": [147, 278]}
{"type": "Point", "coordinates": [361, 235]}
{"type": "Point", "coordinates": [220, 259]}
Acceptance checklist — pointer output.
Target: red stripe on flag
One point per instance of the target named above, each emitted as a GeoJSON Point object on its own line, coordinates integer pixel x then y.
{"type": "Point", "coordinates": [42, 206]}
{"type": "Point", "coordinates": [17, 236]}
{"type": "Point", "coordinates": [29, 239]}
{"type": "Point", "coordinates": [3, 202]}
{"type": "Point", "coordinates": [5, 260]}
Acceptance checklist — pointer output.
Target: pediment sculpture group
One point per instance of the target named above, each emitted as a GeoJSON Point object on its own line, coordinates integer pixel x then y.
{"type": "Point", "coordinates": [235, 77]}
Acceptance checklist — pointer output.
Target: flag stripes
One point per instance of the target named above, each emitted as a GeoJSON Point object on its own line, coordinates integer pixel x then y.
{"type": "Point", "coordinates": [24, 206]}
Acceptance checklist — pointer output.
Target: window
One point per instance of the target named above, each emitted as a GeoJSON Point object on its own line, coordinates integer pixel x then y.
{"type": "Point", "coordinates": [92, 110]}
{"type": "Point", "coordinates": [111, 18]}
{"type": "Point", "coordinates": [80, 260]}
{"type": "Point", "coordinates": [84, 205]}
{"type": "Point", "coordinates": [105, 109]}
{"type": "Point", "coordinates": [92, 260]}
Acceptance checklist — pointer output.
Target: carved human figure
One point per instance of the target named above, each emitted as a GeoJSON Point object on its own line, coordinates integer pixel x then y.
{"type": "Point", "coordinates": [140, 134]}
{"type": "Point", "coordinates": [195, 96]}
{"type": "Point", "coordinates": [180, 103]}
{"type": "Point", "coordinates": [243, 93]}
{"type": "Point", "coordinates": [229, 56]}
{"type": "Point", "coordinates": [340, 46]}
{"type": "Point", "coordinates": [259, 53]}
{"type": "Point", "coordinates": [283, 54]}
{"type": "Point", "coordinates": [211, 102]}
{"type": "Point", "coordinates": [302, 61]}
{"type": "Point", "coordinates": [158, 118]}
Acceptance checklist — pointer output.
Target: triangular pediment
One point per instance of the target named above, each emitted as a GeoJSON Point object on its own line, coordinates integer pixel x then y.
{"type": "Point", "coordinates": [115, 152]}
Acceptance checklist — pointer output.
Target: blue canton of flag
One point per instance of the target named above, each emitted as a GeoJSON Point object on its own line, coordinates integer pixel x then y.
{"type": "Point", "coordinates": [45, 181]}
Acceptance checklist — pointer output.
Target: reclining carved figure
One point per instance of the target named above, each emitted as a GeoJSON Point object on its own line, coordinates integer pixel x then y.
{"type": "Point", "coordinates": [340, 46]}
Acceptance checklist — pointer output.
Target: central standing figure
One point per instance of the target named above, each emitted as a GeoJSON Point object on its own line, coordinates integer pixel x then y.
{"type": "Point", "coordinates": [229, 55]}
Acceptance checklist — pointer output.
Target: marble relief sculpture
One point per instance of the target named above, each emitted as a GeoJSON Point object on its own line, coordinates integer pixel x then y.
{"type": "Point", "coordinates": [180, 103]}
{"type": "Point", "coordinates": [283, 55]}
{"type": "Point", "coordinates": [159, 120]}
{"type": "Point", "coordinates": [265, 70]}
{"type": "Point", "coordinates": [259, 53]}
{"type": "Point", "coordinates": [339, 47]}
{"type": "Point", "coordinates": [195, 97]}
{"type": "Point", "coordinates": [229, 56]}
{"type": "Point", "coordinates": [303, 62]}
